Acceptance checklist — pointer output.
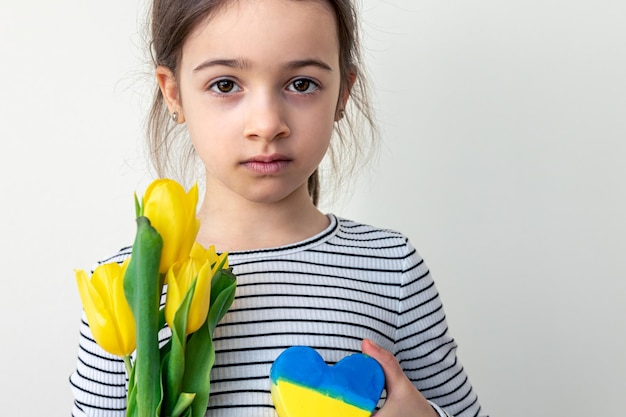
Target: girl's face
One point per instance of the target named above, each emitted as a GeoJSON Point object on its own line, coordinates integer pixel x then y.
{"type": "Point", "coordinates": [258, 86]}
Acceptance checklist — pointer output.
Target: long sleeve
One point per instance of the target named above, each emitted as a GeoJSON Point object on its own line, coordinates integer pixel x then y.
{"type": "Point", "coordinates": [424, 347]}
{"type": "Point", "coordinates": [99, 381]}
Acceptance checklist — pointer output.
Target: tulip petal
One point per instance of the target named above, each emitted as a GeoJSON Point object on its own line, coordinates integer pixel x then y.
{"type": "Point", "coordinates": [92, 304]}
{"type": "Point", "coordinates": [125, 320]}
{"type": "Point", "coordinates": [174, 296]}
{"type": "Point", "coordinates": [106, 308]}
{"type": "Point", "coordinates": [201, 299]}
{"type": "Point", "coordinates": [172, 212]}
{"type": "Point", "coordinates": [180, 278]}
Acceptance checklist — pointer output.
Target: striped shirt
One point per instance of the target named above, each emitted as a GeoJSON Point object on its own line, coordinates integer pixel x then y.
{"type": "Point", "coordinates": [331, 291]}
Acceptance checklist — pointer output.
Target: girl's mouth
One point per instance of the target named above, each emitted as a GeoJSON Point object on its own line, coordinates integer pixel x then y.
{"type": "Point", "coordinates": [267, 164]}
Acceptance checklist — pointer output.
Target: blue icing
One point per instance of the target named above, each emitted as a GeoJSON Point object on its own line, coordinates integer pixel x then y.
{"type": "Point", "coordinates": [356, 379]}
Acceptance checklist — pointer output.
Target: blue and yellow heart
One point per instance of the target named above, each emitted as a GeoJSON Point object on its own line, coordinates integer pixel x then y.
{"type": "Point", "coordinates": [303, 385]}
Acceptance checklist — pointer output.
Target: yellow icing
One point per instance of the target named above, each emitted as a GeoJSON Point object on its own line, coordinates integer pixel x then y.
{"type": "Point", "coordinates": [293, 400]}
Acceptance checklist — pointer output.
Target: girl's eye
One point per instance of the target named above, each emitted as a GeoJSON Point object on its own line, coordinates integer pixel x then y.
{"type": "Point", "coordinates": [224, 86]}
{"type": "Point", "coordinates": [302, 85]}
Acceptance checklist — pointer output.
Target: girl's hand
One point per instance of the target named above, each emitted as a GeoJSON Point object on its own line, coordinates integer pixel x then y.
{"type": "Point", "coordinates": [403, 399]}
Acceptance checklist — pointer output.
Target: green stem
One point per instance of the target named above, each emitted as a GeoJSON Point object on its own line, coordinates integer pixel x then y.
{"type": "Point", "coordinates": [128, 364]}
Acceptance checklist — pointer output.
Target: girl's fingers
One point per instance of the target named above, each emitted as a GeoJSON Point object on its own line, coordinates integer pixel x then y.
{"type": "Point", "coordinates": [391, 367]}
{"type": "Point", "coordinates": [403, 399]}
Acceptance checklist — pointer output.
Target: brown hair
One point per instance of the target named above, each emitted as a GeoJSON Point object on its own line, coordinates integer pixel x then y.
{"type": "Point", "coordinates": [172, 154]}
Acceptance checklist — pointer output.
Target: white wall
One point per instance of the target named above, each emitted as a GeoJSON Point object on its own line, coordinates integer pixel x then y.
{"type": "Point", "coordinates": [504, 126]}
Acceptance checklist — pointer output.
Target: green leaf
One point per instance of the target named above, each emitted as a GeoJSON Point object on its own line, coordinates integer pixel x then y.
{"type": "Point", "coordinates": [175, 362]}
{"type": "Point", "coordinates": [182, 404]}
{"type": "Point", "coordinates": [200, 356]}
{"type": "Point", "coordinates": [138, 208]}
{"type": "Point", "coordinates": [142, 287]}
{"type": "Point", "coordinates": [200, 353]}
{"type": "Point", "coordinates": [223, 288]}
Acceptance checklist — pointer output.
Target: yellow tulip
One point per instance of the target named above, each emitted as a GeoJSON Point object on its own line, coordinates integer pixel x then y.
{"type": "Point", "coordinates": [203, 264]}
{"type": "Point", "coordinates": [215, 260]}
{"type": "Point", "coordinates": [172, 212]}
{"type": "Point", "coordinates": [108, 313]}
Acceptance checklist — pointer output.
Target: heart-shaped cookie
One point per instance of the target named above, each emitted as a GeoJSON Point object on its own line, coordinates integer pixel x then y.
{"type": "Point", "coordinates": [303, 385]}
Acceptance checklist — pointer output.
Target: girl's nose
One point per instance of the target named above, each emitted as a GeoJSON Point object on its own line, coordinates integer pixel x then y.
{"type": "Point", "coordinates": [266, 119]}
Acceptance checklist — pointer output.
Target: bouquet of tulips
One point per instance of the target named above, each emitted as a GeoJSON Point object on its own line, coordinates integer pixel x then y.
{"type": "Point", "coordinates": [123, 305]}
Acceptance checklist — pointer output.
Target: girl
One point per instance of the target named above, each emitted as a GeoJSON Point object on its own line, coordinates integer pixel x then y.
{"type": "Point", "coordinates": [259, 87]}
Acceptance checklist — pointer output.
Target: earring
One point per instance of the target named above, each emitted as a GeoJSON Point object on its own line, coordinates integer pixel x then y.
{"type": "Point", "coordinates": [341, 114]}
{"type": "Point", "coordinates": [175, 117]}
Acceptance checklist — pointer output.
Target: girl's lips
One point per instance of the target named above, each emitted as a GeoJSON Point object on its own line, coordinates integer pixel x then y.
{"type": "Point", "coordinates": [267, 164]}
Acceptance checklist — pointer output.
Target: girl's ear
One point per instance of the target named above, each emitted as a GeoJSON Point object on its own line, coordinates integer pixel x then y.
{"type": "Point", "coordinates": [169, 88]}
{"type": "Point", "coordinates": [345, 93]}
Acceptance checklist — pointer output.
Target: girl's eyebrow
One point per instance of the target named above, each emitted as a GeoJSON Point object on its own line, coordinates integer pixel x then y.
{"type": "Point", "coordinates": [243, 64]}
{"type": "Point", "coordinates": [233, 63]}
{"type": "Point", "coordinates": [308, 63]}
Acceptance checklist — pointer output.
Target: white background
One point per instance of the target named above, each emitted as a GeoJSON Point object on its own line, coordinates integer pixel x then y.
{"type": "Point", "coordinates": [503, 160]}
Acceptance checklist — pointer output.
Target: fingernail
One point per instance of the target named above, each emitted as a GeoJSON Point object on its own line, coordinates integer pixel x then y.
{"type": "Point", "coordinates": [371, 342]}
